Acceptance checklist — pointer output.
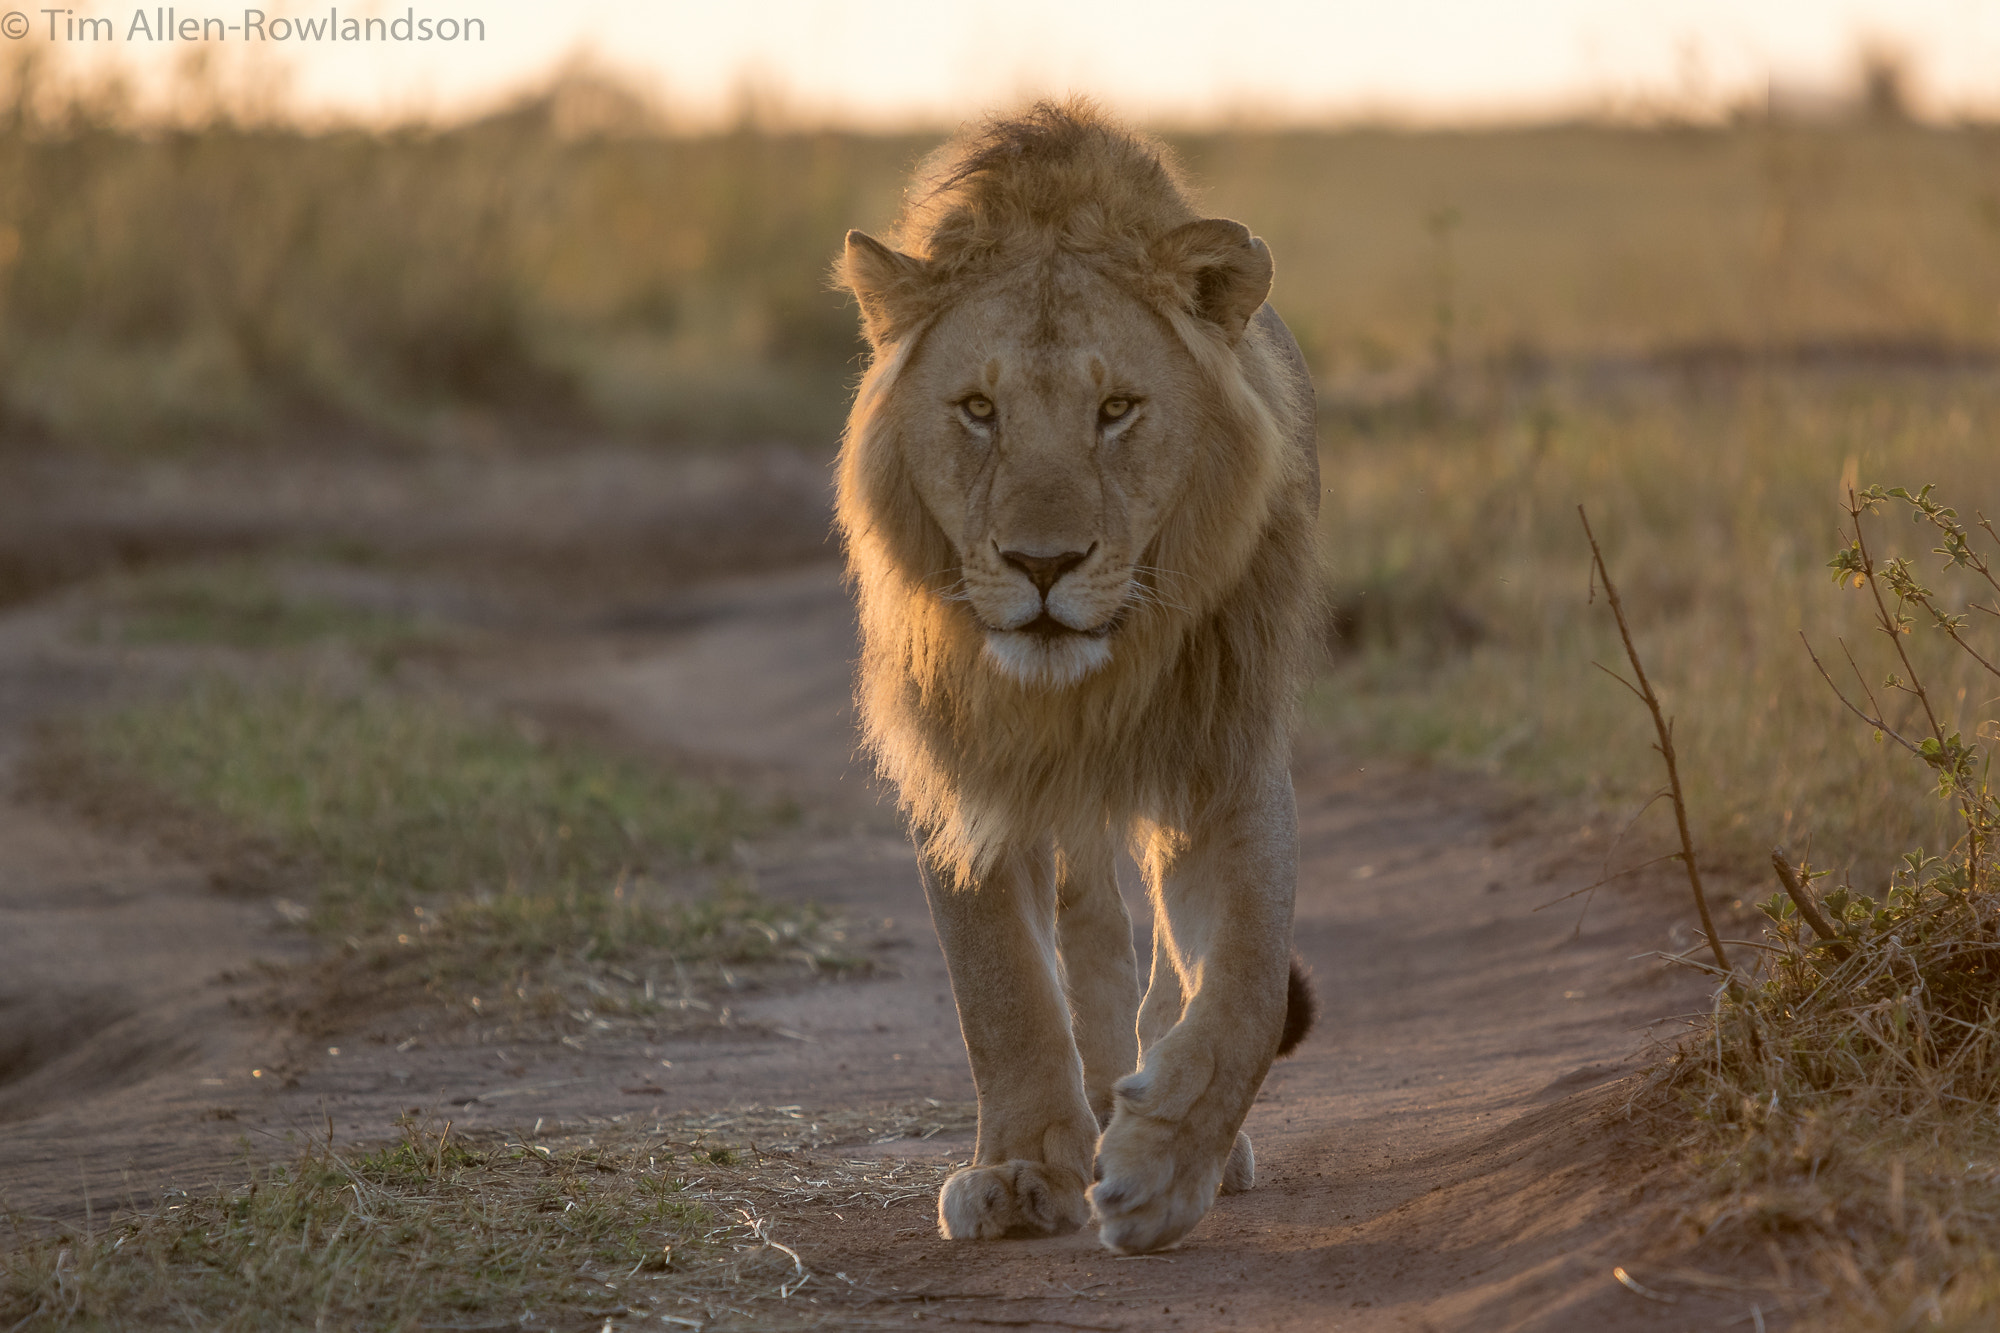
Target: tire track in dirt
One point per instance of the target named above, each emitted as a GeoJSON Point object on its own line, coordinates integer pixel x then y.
{"type": "Point", "coordinates": [126, 1047]}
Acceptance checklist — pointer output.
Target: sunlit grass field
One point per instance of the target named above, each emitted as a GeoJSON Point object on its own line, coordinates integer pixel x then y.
{"type": "Point", "coordinates": [568, 267]}
{"type": "Point", "coordinates": [1466, 629]}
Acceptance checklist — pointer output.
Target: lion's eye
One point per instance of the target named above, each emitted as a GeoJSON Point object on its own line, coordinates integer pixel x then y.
{"type": "Point", "coordinates": [1114, 408]}
{"type": "Point", "coordinates": [978, 407]}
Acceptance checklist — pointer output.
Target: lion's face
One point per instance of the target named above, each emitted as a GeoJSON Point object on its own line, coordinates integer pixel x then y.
{"type": "Point", "coordinates": [1046, 431]}
{"type": "Point", "coordinates": [1049, 413]}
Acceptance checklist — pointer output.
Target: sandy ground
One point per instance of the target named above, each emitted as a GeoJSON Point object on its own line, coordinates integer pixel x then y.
{"type": "Point", "coordinates": [1448, 1151]}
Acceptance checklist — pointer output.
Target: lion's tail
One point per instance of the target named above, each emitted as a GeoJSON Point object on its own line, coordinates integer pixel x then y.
{"type": "Point", "coordinates": [1301, 1008]}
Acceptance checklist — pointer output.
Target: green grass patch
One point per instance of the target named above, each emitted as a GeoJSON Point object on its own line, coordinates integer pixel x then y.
{"type": "Point", "coordinates": [449, 848]}
{"type": "Point", "coordinates": [396, 800]}
{"type": "Point", "coordinates": [238, 604]}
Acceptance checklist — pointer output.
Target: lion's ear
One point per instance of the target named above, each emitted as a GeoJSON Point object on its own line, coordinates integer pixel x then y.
{"type": "Point", "coordinates": [1222, 272]}
{"type": "Point", "coordinates": [889, 284]}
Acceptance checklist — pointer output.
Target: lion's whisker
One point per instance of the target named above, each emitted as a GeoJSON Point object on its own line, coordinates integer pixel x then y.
{"type": "Point", "coordinates": [954, 591]}
{"type": "Point", "coordinates": [1145, 594]}
{"type": "Point", "coordinates": [1157, 576]}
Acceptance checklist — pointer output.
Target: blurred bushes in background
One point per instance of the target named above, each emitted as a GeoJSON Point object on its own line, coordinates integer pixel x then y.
{"type": "Point", "coordinates": [569, 264]}
{"type": "Point", "coordinates": [235, 280]}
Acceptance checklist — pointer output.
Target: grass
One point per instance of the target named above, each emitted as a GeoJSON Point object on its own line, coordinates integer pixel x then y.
{"type": "Point", "coordinates": [665, 1223]}
{"type": "Point", "coordinates": [1840, 1093]}
{"type": "Point", "coordinates": [445, 849]}
{"type": "Point", "coordinates": [1465, 629]}
{"type": "Point", "coordinates": [425, 1232]}
{"type": "Point", "coordinates": [237, 604]}
{"type": "Point", "coordinates": [1837, 1110]}
{"type": "Point", "coordinates": [454, 856]}
{"type": "Point", "coordinates": [397, 799]}
{"type": "Point", "coordinates": [242, 280]}
{"type": "Point", "coordinates": [569, 265]}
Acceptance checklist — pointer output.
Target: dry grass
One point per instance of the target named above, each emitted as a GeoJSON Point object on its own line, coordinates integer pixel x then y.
{"type": "Point", "coordinates": [240, 280]}
{"type": "Point", "coordinates": [1841, 1096]}
{"type": "Point", "coordinates": [1512, 247]}
{"type": "Point", "coordinates": [569, 264]}
{"type": "Point", "coordinates": [671, 1223]}
{"type": "Point", "coordinates": [1460, 581]}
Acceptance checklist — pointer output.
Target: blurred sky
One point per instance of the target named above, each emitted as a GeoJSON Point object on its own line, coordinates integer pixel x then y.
{"type": "Point", "coordinates": [898, 61]}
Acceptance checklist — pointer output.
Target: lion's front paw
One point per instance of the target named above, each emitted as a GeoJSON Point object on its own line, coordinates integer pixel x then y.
{"type": "Point", "coordinates": [1147, 1196]}
{"type": "Point", "coordinates": [1017, 1198]}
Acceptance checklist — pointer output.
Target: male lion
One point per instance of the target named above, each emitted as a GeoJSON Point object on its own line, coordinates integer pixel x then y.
{"type": "Point", "coordinates": [1078, 491]}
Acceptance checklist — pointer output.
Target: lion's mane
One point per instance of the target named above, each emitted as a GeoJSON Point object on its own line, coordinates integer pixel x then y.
{"type": "Point", "coordinates": [1205, 673]}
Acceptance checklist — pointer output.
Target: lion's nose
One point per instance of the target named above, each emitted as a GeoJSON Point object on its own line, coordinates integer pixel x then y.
{"type": "Point", "coordinates": [1044, 570]}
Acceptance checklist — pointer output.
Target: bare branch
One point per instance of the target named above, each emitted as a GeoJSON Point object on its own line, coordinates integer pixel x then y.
{"type": "Point", "coordinates": [1987, 524]}
{"type": "Point", "coordinates": [1666, 734]}
{"type": "Point", "coordinates": [1616, 874]}
{"type": "Point", "coordinates": [1621, 680]}
{"type": "Point", "coordinates": [1859, 679]}
{"type": "Point", "coordinates": [1951, 631]}
{"type": "Point", "coordinates": [1874, 722]}
{"type": "Point", "coordinates": [1604, 866]}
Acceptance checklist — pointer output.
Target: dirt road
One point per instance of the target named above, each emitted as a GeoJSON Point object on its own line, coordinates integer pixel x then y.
{"type": "Point", "coordinates": [1446, 1152]}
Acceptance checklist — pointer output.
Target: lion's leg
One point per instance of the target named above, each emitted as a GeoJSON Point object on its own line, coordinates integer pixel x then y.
{"type": "Point", "coordinates": [1100, 971]}
{"type": "Point", "coordinates": [1224, 908]}
{"type": "Point", "coordinates": [1164, 1001]}
{"type": "Point", "coordinates": [1163, 1007]}
{"type": "Point", "coordinates": [1036, 1133]}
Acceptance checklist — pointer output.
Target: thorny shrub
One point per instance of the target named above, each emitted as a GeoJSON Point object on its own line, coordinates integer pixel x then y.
{"type": "Point", "coordinates": [1846, 1089]}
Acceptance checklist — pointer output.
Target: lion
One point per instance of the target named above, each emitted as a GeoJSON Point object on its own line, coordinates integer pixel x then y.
{"type": "Point", "coordinates": [1078, 492]}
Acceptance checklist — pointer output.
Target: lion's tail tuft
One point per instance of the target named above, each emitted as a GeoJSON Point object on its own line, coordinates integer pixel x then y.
{"type": "Point", "coordinates": [1301, 1008]}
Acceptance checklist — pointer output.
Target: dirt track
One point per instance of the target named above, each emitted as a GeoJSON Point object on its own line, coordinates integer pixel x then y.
{"type": "Point", "coordinates": [1444, 1153]}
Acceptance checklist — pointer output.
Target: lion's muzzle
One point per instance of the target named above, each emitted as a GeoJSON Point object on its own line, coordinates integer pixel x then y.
{"type": "Point", "coordinates": [1044, 570]}
{"type": "Point", "coordinates": [1058, 630]}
